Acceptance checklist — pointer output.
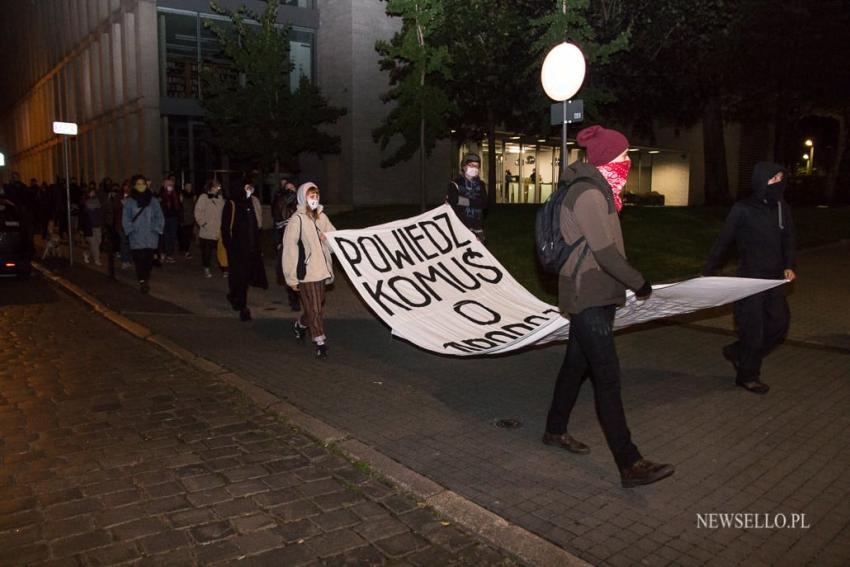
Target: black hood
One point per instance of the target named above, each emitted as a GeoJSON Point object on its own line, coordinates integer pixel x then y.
{"type": "Point", "coordinates": [762, 172]}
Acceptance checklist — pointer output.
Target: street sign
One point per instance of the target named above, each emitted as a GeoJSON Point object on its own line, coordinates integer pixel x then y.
{"type": "Point", "coordinates": [567, 112]}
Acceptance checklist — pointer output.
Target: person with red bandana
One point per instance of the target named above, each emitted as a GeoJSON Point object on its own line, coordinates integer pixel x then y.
{"type": "Point", "coordinates": [591, 284]}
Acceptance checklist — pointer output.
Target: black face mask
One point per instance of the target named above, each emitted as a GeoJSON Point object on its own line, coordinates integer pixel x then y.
{"type": "Point", "coordinates": [775, 190]}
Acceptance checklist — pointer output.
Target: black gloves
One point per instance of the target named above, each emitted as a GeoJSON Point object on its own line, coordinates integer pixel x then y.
{"type": "Point", "coordinates": [645, 291]}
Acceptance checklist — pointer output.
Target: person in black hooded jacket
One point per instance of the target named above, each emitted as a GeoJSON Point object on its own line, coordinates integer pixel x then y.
{"type": "Point", "coordinates": [241, 223]}
{"type": "Point", "coordinates": [761, 226]}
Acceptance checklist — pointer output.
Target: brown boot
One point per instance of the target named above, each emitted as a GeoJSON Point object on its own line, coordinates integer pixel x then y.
{"type": "Point", "coordinates": [645, 472]}
{"type": "Point", "coordinates": [566, 441]}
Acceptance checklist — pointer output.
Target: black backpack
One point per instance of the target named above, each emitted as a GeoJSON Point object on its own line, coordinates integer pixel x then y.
{"type": "Point", "coordinates": [552, 251]}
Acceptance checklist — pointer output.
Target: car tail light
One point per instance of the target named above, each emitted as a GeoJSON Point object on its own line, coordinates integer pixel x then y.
{"type": "Point", "coordinates": [10, 264]}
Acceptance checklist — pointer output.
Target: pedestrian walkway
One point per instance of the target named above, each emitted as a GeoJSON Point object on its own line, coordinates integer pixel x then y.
{"type": "Point", "coordinates": [784, 453]}
{"type": "Point", "coordinates": [114, 452]}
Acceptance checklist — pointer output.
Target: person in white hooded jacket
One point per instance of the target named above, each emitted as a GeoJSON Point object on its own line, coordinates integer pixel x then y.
{"type": "Point", "coordinates": [309, 271]}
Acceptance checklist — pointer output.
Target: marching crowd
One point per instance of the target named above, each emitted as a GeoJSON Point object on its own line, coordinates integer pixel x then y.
{"type": "Point", "coordinates": [154, 229]}
{"type": "Point", "coordinates": [146, 228]}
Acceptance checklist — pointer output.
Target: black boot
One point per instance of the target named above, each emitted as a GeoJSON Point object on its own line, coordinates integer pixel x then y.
{"type": "Point", "coordinates": [299, 330]}
{"type": "Point", "coordinates": [245, 314]}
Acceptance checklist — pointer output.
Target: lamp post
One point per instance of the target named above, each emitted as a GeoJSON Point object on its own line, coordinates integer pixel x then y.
{"type": "Point", "coordinates": [811, 159]}
{"type": "Point", "coordinates": [66, 129]}
{"type": "Point", "coordinates": [561, 77]}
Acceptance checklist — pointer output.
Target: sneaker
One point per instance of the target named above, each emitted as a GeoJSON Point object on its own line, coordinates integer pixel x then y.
{"type": "Point", "coordinates": [144, 287]}
{"type": "Point", "coordinates": [187, 256]}
{"type": "Point", "coordinates": [322, 351]}
{"type": "Point", "coordinates": [566, 441]}
{"type": "Point", "coordinates": [245, 314]}
{"type": "Point", "coordinates": [299, 330]}
{"type": "Point", "coordinates": [97, 262]}
{"type": "Point", "coordinates": [207, 273]}
{"type": "Point", "coordinates": [644, 472]}
{"type": "Point", "coordinates": [86, 258]}
{"type": "Point", "coordinates": [170, 260]}
{"type": "Point", "coordinates": [125, 265]}
{"type": "Point", "coordinates": [224, 274]}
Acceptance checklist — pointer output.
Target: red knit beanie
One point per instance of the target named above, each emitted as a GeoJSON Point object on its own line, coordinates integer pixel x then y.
{"type": "Point", "coordinates": [602, 144]}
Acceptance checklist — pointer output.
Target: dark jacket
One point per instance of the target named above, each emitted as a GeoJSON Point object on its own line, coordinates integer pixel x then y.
{"type": "Point", "coordinates": [240, 232]}
{"type": "Point", "coordinates": [761, 226]}
{"type": "Point", "coordinates": [469, 200]}
{"type": "Point", "coordinates": [597, 272]}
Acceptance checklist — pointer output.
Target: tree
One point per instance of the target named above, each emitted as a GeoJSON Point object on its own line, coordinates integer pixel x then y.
{"type": "Point", "coordinates": [677, 72]}
{"type": "Point", "coordinates": [415, 64]}
{"type": "Point", "coordinates": [250, 106]}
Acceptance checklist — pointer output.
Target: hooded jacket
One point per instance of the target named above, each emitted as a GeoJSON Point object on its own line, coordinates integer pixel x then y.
{"type": "Point", "coordinates": [761, 226]}
{"type": "Point", "coordinates": [597, 272]}
{"type": "Point", "coordinates": [317, 252]}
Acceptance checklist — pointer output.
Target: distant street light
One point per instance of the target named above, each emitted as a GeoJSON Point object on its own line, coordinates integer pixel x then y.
{"type": "Point", "coordinates": [810, 157]}
{"type": "Point", "coordinates": [66, 129]}
{"type": "Point", "coordinates": [2, 160]}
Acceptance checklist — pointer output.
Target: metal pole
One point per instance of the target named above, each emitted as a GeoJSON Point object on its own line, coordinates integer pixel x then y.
{"type": "Point", "coordinates": [68, 201]}
{"type": "Point", "coordinates": [563, 139]}
{"type": "Point", "coordinates": [812, 158]}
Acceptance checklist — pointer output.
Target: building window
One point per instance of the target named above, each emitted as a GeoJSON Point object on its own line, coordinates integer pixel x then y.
{"type": "Point", "coordinates": [301, 56]}
{"type": "Point", "coordinates": [178, 34]}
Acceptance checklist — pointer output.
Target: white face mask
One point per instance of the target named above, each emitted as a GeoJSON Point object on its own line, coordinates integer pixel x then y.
{"type": "Point", "coordinates": [313, 203]}
{"type": "Point", "coordinates": [472, 172]}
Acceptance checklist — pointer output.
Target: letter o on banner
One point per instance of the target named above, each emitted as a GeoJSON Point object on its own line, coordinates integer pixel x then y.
{"type": "Point", "coordinates": [477, 313]}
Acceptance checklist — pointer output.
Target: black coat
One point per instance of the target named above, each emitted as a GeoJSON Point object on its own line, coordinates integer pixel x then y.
{"type": "Point", "coordinates": [241, 235]}
{"type": "Point", "coordinates": [761, 226]}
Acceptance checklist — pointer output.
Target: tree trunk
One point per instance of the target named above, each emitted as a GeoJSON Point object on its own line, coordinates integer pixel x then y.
{"type": "Point", "coordinates": [714, 152]}
{"type": "Point", "coordinates": [491, 157]}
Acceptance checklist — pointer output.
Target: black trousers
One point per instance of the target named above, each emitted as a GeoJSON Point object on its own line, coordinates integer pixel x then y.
{"type": "Point", "coordinates": [143, 261]}
{"type": "Point", "coordinates": [239, 280]}
{"type": "Point", "coordinates": [184, 236]}
{"type": "Point", "coordinates": [762, 321]}
{"type": "Point", "coordinates": [591, 351]}
{"type": "Point", "coordinates": [208, 248]}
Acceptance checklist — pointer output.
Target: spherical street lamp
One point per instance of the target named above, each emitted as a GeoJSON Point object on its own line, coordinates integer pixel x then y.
{"type": "Point", "coordinates": [563, 72]}
{"type": "Point", "coordinates": [562, 75]}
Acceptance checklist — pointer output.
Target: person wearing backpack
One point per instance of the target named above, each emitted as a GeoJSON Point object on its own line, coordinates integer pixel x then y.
{"type": "Point", "coordinates": [592, 282]}
{"type": "Point", "coordinates": [143, 223]}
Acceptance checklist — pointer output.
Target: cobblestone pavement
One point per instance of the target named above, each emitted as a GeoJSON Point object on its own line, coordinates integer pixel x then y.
{"type": "Point", "coordinates": [114, 452]}
{"type": "Point", "coordinates": [784, 453]}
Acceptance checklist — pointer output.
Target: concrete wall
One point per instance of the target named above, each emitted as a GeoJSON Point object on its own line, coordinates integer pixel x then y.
{"type": "Point", "coordinates": [670, 177]}
{"type": "Point", "coordinates": [93, 62]}
{"type": "Point", "coordinates": [348, 74]}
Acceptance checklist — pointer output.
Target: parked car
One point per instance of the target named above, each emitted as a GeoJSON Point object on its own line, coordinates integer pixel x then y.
{"type": "Point", "coordinates": [16, 246]}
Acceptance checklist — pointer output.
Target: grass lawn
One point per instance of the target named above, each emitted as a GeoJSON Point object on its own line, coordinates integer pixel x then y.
{"type": "Point", "coordinates": [665, 243]}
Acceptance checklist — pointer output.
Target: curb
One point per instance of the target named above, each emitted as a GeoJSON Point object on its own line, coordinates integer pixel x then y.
{"type": "Point", "coordinates": [490, 527]}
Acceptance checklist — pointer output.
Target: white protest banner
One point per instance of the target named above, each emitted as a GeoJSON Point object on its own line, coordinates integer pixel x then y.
{"type": "Point", "coordinates": [436, 286]}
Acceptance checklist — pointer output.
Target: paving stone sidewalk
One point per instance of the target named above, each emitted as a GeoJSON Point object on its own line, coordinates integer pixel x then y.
{"type": "Point", "coordinates": [114, 452]}
{"type": "Point", "coordinates": [784, 453]}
